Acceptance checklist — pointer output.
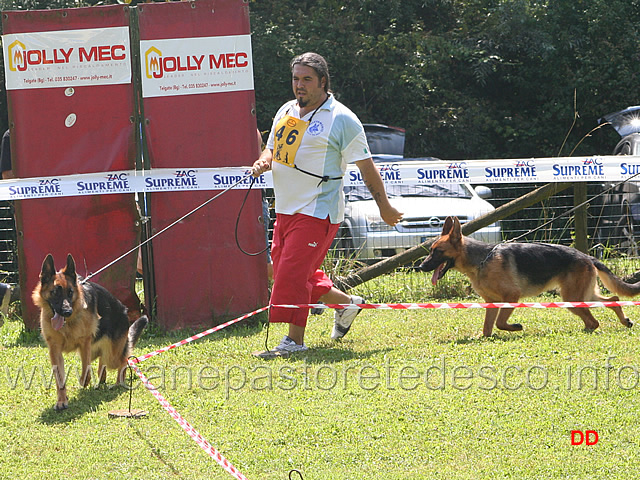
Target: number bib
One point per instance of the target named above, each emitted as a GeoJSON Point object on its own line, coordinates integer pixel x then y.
{"type": "Point", "coordinates": [289, 133]}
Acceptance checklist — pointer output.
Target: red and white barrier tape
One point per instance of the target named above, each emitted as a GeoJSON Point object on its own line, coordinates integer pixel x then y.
{"type": "Point", "coordinates": [218, 457]}
{"type": "Point", "coordinates": [196, 336]}
{"type": "Point", "coordinates": [417, 306]}
{"type": "Point", "coordinates": [186, 426]}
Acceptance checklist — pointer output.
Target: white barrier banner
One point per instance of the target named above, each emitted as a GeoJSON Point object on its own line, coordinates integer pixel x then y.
{"type": "Point", "coordinates": [477, 172]}
{"type": "Point", "coordinates": [612, 168]}
{"type": "Point", "coordinates": [69, 58]}
{"type": "Point", "coordinates": [186, 66]}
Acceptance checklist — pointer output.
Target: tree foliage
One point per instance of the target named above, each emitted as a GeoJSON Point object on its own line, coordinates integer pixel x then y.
{"type": "Point", "coordinates": [467, 79]}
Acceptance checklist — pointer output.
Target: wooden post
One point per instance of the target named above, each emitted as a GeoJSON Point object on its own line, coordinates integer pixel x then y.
{"type": "Point", "coordinates": [580, 216]}
{"type": "Point", "coordinates": [411, 255]}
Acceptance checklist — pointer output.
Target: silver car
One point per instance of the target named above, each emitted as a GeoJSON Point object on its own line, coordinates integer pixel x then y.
{"type": "Point", "coordinates": [364, 235]}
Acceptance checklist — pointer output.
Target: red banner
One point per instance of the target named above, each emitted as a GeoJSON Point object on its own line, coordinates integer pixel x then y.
{"type": "Point", "coordinates": [67, 116]}
{"type": "Point", "coordinates": [71, 90]}
{"type": "Point", "coordinates": [199, 111]}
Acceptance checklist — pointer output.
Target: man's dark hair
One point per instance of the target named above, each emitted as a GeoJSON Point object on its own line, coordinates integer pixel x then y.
{"type": "Point", "coordinates": [318, 63]}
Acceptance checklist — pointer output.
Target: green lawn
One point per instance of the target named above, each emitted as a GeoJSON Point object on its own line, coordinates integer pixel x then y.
{"type": "Point", "coordinates": [406, 395]}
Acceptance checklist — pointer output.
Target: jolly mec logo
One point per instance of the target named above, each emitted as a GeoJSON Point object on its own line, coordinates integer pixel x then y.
{"type": "Point", "coordinates": [157, 65]}
{"type": "Point", "coordinates": [20, 57]}
{"type": "Point", "coordinates": [17, 54]}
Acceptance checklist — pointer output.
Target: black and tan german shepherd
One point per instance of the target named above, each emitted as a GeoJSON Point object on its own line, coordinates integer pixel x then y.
{"type": "Point", "coordinates": [83, 316]}
{"type": "Point", "coordinates": [507, 272]}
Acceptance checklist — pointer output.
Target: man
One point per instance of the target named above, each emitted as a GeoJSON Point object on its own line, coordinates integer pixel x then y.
{"type": "Point", "coordinates": [312, 140]}
{"type": "Point", "coordinates": [5, 157]}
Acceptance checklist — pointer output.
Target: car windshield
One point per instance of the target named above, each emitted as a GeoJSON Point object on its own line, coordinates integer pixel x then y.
{"type": "Point", "coordinates": [447, 190]}
{"type": "Point", "coordinates": [625, 122]}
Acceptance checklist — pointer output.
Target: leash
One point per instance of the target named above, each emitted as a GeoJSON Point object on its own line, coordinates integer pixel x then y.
{"type": "Point", "coordinates": [253, 180]}
{"type": "Point", "coordinates": [166, 228]}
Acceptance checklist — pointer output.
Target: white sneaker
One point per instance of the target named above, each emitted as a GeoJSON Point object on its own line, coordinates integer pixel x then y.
{"type": "Point", "coordinates": [344, 318]}
{"type": "Point", "coordinates": [289, 346]}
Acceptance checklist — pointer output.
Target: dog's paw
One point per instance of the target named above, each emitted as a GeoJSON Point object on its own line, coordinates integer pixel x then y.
{"type": "Point", "coordinates": [628, 323]}
{"type": "Point", "coordinates": [59, 406]}
{"type": "Point", "coordinates": [516, 327]}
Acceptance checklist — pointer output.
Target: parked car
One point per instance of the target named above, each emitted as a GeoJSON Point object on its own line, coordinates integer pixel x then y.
{"type": "Point", "coordinates": [384, 140]}
{"type": "Point", "coordinates": [618, 215]}
{"type": "Point", "coordinates": [364, 235]}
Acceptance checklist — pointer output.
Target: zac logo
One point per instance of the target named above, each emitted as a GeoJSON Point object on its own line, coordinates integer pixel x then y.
{"type": "Point", "coordinates": [114, 177]}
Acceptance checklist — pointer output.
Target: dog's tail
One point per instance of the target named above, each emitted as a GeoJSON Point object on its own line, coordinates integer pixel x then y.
{"type": "Point", "coordinates": [135, 330]}
{"type": "Point", "coordinates": [614, 283]}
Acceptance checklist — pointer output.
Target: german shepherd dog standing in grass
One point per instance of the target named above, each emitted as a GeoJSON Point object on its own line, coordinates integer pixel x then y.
{"type": "Point", "coordinates": [507, 272]}
{"type": "Point", "coordinates": [83, 316]}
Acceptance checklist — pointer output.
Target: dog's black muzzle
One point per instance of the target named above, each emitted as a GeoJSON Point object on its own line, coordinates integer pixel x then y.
{"type": "Point", "coordinates": [434, 260]}
{"type": "Point", "coordinates": [437, 263]}
{"type": "Point", "coordinates": [62, 308]}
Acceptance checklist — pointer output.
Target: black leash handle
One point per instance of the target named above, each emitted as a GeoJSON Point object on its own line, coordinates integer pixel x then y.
{"type": "Point", "coordinates": [253, 180]}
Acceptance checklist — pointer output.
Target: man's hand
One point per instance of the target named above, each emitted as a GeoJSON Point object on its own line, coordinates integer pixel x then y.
{"type": "Point", "coordinates": [390, 215]}
{"type": "Point", "coordinates": [259, 167]}
{"type": "Point", "coordinates": [263, 164]}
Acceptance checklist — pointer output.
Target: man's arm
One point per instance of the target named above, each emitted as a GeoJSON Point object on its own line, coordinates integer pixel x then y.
{"type": "Point", "coordinates": [374, 183]}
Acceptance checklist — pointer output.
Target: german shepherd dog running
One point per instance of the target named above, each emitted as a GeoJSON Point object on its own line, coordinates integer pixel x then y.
{"type": "Point", "coordinates": [506, 272]}
{"type": "Point", "coordinates": [83, 317]}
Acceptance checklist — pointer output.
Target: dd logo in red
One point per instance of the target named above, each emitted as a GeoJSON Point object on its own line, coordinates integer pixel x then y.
{"type": "Point", "coordinates": [588, 437]}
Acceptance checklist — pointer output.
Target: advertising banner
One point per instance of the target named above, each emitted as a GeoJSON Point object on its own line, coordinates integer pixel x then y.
{"type": "Point", "coordinates": [94, 56]}
{"type": "Point", "coordinates": [187, 66]}
{"type": "Point", "coordinates": [404, 172]}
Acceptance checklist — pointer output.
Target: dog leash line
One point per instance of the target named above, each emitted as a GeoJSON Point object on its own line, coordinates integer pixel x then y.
{"type": "Point", "coordinates": [166, 228]}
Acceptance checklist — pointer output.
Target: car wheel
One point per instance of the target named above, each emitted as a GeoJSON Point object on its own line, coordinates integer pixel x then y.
{"type": "Point", "coordinates": [344, 242]}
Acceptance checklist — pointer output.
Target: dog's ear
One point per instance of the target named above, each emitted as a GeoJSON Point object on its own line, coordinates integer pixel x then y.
{"type": "Point", "coordinates": [455, 235]}
{"type": "Point", "coordinates": [70, 269]}
{"type": "Point", "coordinates": [48, 269]}
{"type": "Point", "coordinates": [448, 226]}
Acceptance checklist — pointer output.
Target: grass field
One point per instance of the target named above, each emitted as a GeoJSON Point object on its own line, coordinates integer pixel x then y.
{"type": "Point", "coordinates": [406, 395]}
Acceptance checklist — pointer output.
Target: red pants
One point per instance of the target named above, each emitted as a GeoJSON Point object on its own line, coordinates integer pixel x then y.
{"type": "Point", "coordinates": [300, 243]}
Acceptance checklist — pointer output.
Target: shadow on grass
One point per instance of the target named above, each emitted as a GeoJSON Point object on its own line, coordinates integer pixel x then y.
{"type": "Point", "coordinates": [155, 450]}
{"type": "Point", "coordinates": [87, 400]}
{"type": "Point", "coordinates": [330, 354]}
{"type": "Point", "coordinates": [506, 337]}
{"type": "Point", "coordinates": [155, 337]}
